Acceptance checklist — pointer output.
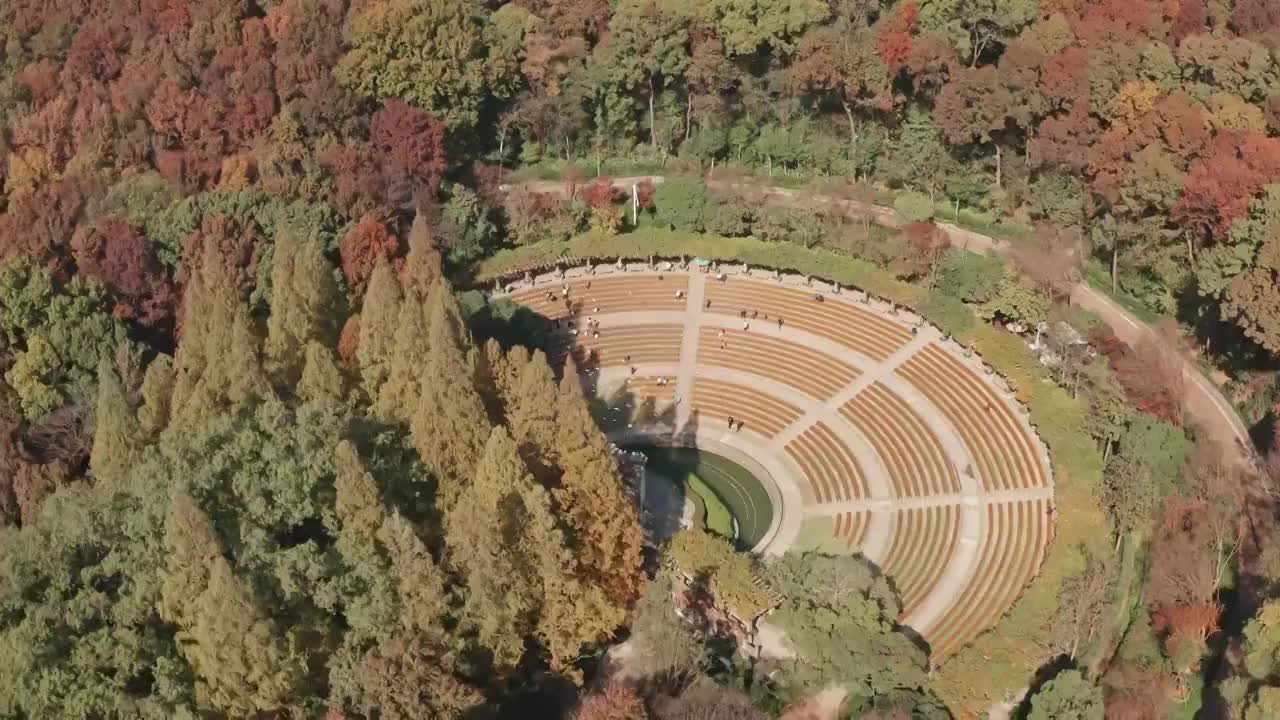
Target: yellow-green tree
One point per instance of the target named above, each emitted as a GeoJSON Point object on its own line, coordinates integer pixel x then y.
{"type": "Point", "coordinates": [305, 306]}
{"type": "Point", "coordinates": [242, 663]}
{"type": "Point", "coordinates": [117, 438]}
{"type": "Point", "coordinates": [594, 500]}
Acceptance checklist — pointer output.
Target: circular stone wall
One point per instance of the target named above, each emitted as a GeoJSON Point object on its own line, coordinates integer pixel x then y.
{"type": "Point", "coordinates": [870, 431]}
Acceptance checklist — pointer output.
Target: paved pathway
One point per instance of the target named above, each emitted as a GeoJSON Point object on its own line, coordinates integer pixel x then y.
{"type": "Point", "coordinates": [792, 492]}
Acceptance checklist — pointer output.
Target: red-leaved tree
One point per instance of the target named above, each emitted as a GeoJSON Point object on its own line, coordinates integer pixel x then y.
{"type": "Point", "coordinates": [361, 247]}
{"type": "Point", "coordinates": [113, 252]}
{"type": "Point", "coordinates": [411, 144]}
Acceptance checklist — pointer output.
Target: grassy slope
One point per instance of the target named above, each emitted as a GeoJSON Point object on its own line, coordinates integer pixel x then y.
{"type": "Point", "coordinates": [718, 519]}
{"type": "Point", "coordinates": [1000, 662]}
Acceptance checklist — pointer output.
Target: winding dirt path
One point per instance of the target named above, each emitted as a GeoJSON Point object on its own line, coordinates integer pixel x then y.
{"type": "Point", "coordinates": [1203, 401]}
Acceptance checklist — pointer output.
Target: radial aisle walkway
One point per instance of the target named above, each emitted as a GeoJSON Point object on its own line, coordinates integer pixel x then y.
{"type": "Point", "coordinates": [890, 440]}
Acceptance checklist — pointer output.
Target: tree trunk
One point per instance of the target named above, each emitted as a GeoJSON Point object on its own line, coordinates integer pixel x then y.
{"type": "Point", "coordinates": [853, 142]}
{"type": "Point", "coordinates": [653, 126]}
{"type": "Point", "coordinates": [998, 165]}
{"type": "Point", "coordinates": [688, 117]}
{"type": "Point", "coordinates": [1115, 264]}
{"type": "Point", "coordinates": [1191, 250]}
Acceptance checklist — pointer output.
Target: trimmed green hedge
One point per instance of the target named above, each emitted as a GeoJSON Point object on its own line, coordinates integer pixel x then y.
{"type": "Point", "coordinates": [999, 663]}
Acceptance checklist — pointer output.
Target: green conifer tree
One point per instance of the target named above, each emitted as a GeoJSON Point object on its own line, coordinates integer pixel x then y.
{"type": "Point", "coordinates": [357, 500]}
{"type": "Point", "coordinates": [406, 366]}
{"type": "Point", "coordinates": [117, 437]}
{"type": "Point", "coordinates": [594, 500]}
{"type": "Point", "coordinates": [450, 426]}
{"type": "Point", "coordinates": [420, 583]}
{"type": "Point", "coordinates": [532, 411]}
{"type": "Point", "coordinates": [321, 379]}
{"type": "Point", "coordinates": [409, 679]}
{"type": "Point", "coordinates": [424, 264]}
{"type": "Point", "coordinates": [370, 603]}
{"type": "Point", "coordinates": [379, 318]}
{"type": "Point", "coordinates": [483, 531]}
{"type": "Point", "coordinates": [217, 367]}
{"type": "Point", "coordinates": [504, 367]}
{"type": "Point", "coordinates": [242, 664]}
{"type": "Point", "coordinates": [157, 391]}
{"type": "Point", "coordinates": [305, 306]}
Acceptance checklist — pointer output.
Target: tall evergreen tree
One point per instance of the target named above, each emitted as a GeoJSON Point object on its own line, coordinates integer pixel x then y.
{"type": "Point", "coordinates": [532, 416]}
{"type": "Point", "coordinates": [217, 367]}
{"type": "Point", "coordinates": [305, 306]}
{"type": "Point", "coordinates": [117, 437]}
{"type": "Point", "coordinates": [379, 318]}
{"type": "Point", "coordinates": [157, 392]}
{"type": "Point", "coordinates": [321, 379]}
{"type": "Point", "coordinates": [484, 530]}
{"type": "Point", "coordinates": [406, 371]}
{"type": "Point", "coordinates": [242, 664]}
{"type": "Point", "coordinates": [370, 605]}
{"type": "Point", "coordinates": [420, 278]}
{"type": "Point", "coordinates": [423, 265]}
{"type": "Point", "coordinates": [593, 498]}
{"type": "Point", "coordinates": [420, 583]}
{"type": "Point", "coordinates": [450, 426]}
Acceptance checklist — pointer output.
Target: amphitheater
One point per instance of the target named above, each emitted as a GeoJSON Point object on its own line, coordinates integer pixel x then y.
{"type": "Point", "coordinates": [870, 431]}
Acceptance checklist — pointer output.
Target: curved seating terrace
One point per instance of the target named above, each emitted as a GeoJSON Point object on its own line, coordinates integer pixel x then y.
{"type": "Point", "coordinates": [879, 434]}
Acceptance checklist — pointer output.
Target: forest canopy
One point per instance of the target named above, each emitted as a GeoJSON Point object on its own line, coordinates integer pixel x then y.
{"type": "Point", "coordinates": [251, 443]}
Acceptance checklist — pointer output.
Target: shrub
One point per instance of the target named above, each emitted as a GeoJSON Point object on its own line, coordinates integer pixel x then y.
{"type": "Point", "coordinates": [782, 224]}
{"type": "Point", "coordinates": [913, 207]}
{"type": "Point", "coordinates": [681, 203]}
{"type": "Point", "coordinates": [600, 193]}
{"type": "Point", "coordinates": [732, 218]}
{"type": "Point", "coordinates": [947, 313]}
{"type": "Point", "coordinates": [969, 277]}
{"type": "Point", "coordinates": [606, 220]}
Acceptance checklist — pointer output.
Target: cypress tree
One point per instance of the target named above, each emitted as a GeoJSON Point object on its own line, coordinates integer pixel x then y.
{"type": "Point", "coordinates": [406, 373]}
{"type": "Point", "coordinates": [241, 664]}
{"type": "Point", "coordinates": [504, 368]}
{"type": "Point", "coordinates": [572, 612]}
{"type": "Point", "coordinates": [594, 500]}
{"type": "Point", "coordinates": [117, 437]}
{"type": "Point", "coordinates": [482, 529]}
{"type": "Point", "coordinates": [321, 379]}
{"type": "Point", "coordinates": [305, 306]}
{"type": "Point", "coordinates": [409, 679]}
{"type": "Point", "coordinates": [218, 369]}
{"type": "Point", "coordinates": [450, 426]}
{"type": "Point", "coordinates": [379, 317]}
{"type": "Point", "coordinates": [357, 500]}
{"type": "Point", "coordinates": [371, 608]}
{"type": "Point", "coordinates": [157, 391]}
{"type": "Point", "coordinates": [505, 540]}
{"type": "Point", "coordinates": [424, 264]}
{"type": "Point", "coordinates": [418, 580]}
{"type": "Point", "coordinates": [191, 545]}
{"type": "Point", "coordinates": [532, 416]}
